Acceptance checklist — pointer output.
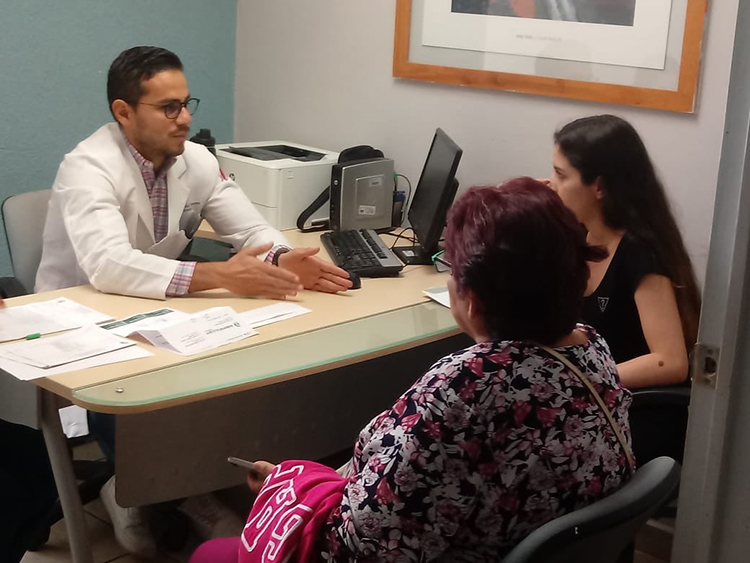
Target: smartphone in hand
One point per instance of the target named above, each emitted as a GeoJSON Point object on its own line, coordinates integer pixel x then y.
{"type": "Point", "coordinates": [239, 462]}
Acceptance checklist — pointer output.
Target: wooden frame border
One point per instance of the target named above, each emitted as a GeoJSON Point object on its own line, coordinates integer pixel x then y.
{"type": "Point", "coordinates": [681, 100]}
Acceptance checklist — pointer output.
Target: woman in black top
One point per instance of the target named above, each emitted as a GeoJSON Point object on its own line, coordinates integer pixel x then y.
{"type": "Point", "coordinates": [644, 298]}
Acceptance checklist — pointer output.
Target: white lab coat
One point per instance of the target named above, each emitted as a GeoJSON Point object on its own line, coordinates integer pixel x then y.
{"type": "Point", "coordinates": [100, 227]}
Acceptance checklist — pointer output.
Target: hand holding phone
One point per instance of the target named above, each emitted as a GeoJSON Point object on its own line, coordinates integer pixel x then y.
{"type": "Point", "coordinates": [239, 462]}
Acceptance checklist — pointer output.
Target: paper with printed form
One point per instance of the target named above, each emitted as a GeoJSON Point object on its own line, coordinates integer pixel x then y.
{"type": "Point", "coordinates": [439, 294]}
{"type": "Point", "coordinates": [199, 332]}
{"type": "Point", "coordinates": [27, 373]}
{"type": "Point", "coordinates": [46, 317]}
{"type": "Point", "coordinates": [272, 314]}
{"type": "Point", "coordinates": [150, 320]}
{"type": "Point", "coordinates": [65, 348]}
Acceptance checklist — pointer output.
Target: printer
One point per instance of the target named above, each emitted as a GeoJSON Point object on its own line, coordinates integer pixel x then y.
{"type": "Point", "coordinates": [281, 179]}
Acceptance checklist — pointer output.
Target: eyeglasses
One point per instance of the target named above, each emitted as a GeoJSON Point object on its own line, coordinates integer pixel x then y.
{"type": "Point", "coordinates": [173, 109]}
{"type": "Point", "coordinates": [440, 262]}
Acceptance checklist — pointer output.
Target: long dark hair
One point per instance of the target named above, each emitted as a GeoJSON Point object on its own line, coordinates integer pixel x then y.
{"type": "Point", "coordinates": [608, 148]}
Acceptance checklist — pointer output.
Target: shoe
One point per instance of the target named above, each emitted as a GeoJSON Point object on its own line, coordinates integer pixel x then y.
{"type": "Point", "coordinates": [130, 524]}
{"type": "Point", "coordinates": [211, 518]}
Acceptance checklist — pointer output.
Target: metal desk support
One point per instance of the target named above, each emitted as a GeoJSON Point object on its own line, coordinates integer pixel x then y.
{"type": "Point", "coordinates": [65, 480]}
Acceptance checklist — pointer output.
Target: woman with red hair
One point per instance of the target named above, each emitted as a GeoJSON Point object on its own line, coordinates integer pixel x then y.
{"type": "Point", "coordinates": [527, 424]}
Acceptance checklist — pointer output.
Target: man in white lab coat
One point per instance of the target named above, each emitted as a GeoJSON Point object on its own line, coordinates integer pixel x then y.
{"type": "Point", "coordinates": [127, 200]}
{"type": "Point", "coordinates": [125, 204]}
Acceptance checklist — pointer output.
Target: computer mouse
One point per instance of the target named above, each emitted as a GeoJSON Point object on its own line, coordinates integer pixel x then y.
{"type": "Point", "coordinates": [355, 279]}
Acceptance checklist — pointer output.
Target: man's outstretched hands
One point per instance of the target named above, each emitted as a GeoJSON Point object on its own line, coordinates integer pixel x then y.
{"type": "Point", "coordinates": [246, 274]}
{"type": "Point", "coordinates": [313, 272]}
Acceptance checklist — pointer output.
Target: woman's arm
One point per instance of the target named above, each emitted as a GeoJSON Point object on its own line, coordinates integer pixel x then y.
{"type": "Point", "coordinates": [667, 362]}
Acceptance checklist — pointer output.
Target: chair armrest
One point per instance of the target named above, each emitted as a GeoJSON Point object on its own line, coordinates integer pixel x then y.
{"type": "Point", "coordinates": [11, 287]}
{"type": "Point", "coordinates": [655, 396]}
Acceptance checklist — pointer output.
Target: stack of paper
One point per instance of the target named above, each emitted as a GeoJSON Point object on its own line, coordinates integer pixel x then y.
{"type": "Point", "coordinates": [65, 348]}
{"type": "Point", "coordinates": [191, 334]}
{"type": "Point", "coordinates": [196, 333]}
{"type": "Point", "coordinates": [46, 317]}
{"type": "Point", "coordinates": [150, 320]}
{"type": "Point", "coordinates": [79, 349]}
{"type": "Point", "coordinates": [99, 345]}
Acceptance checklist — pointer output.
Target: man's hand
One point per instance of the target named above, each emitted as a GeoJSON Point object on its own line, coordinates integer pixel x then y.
{"type": "Point", "coordinates": [261, 470]}
{"type": "Point", "coordinates": [245, 274]}
{"type": "Point", "coordinates": [313, 272]}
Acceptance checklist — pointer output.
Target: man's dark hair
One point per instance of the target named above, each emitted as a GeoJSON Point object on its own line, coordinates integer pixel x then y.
{"type": "Point", "coordinates": [131, 67]}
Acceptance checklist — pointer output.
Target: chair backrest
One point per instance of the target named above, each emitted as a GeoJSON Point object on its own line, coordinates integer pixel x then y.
{"type": "Point", "coordinates": [600, 532]}
{"type": "Point", "coordinates": [24, 216]}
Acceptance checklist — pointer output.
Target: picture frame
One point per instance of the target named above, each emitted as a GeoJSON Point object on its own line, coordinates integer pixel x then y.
{"type": "Point", "coordinates": [650, 60]}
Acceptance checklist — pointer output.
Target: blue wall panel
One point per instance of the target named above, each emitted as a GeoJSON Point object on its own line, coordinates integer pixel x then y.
{"type": "Point", "coordinates": [54, 58]}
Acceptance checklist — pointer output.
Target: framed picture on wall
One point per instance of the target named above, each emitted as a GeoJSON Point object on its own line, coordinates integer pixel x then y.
{"type": "Point", "coordinates": [635, 52]}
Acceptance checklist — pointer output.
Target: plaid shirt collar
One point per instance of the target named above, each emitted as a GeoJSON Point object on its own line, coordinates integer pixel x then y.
{"type": "Point", "coordinates": [146, 166]}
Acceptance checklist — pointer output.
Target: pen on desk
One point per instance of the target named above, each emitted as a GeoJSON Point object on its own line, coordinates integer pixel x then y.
{"type": "Point", "coordinates": [33, 336]}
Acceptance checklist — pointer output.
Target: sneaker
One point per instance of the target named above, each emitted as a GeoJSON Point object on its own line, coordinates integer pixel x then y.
{"type": "Point", "coordinates": [130, 524]}
{"type": "Point", "coordinates": [211, 518]}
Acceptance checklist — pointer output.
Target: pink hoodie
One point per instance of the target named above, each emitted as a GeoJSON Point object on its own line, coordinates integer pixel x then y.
{"type": "Point", "coordinates": [288, 516]}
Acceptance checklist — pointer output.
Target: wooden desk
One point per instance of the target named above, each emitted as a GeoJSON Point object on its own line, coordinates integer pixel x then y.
{"type": "Point", "coordinates": [250, 398]}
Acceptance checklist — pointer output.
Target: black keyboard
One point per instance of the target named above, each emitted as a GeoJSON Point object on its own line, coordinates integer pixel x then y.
{"type": "Point", "coordinates": [362, 252]}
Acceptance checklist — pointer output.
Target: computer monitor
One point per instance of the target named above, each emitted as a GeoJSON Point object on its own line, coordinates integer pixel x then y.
{"type": "Point", "coordinates": [433, 196]}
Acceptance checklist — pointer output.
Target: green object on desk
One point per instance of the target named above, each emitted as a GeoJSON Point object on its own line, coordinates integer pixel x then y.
{"type": "Point", "coordinates": [33, 336]}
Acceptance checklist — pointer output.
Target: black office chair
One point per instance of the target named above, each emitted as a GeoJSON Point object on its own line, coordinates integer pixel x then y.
{"type": "Point", "coordinates": [658, 425]}
{"type": "Point", "coordinates": [602, 532]}
{"type": "Point", "coordinates": [658, 422]}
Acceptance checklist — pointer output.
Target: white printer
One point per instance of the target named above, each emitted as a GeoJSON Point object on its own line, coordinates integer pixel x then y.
{"type": "Point", "coordinates": [281, 179]}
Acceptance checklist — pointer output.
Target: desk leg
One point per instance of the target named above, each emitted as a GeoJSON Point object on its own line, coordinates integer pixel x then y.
{"type": "Point", "coordinates": [67, 488]}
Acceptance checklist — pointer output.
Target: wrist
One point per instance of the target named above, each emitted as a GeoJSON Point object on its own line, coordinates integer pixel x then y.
{"type": "Point", "coordinates": [278, 257]}
{"type": "Point", "coordinates": [207, 275]}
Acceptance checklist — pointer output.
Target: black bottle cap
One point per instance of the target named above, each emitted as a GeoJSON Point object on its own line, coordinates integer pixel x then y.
{"type": "Point", "coordinates": [203, 137]}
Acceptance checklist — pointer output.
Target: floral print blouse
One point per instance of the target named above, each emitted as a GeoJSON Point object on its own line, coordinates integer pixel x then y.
{"type": "Point", "coordinates": [491, 443]}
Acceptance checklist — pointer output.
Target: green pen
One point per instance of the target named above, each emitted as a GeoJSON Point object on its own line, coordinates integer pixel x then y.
{"type": "Point", "coordinates": [33, 336]}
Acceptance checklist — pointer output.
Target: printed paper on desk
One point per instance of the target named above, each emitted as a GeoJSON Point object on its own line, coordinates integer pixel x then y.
{"type": "Point", "coordinates": [27, 373]}
{"type": "Point", "coordinates": [65, 348]}
{"type": "Point", "coordinates": [199, 332]}
{"type": "Point", "coordinates": [272, 314]}
{"type": "Point", "coordinates": [439, 294]}
{"type": "Point", "coordinates": [46, 317]}
{"type": "Point", "coordinates": [143, 321]}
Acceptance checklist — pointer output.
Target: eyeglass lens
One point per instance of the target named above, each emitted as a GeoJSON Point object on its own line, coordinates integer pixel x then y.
{"type": "Point", "coordinates": [173, 109]}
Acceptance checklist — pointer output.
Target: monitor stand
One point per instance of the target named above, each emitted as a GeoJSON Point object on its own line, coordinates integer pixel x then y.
{"type": "Point", "coordinates": [413, 255]}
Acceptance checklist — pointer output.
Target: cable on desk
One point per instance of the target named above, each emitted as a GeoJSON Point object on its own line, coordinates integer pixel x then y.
{"type": "Point", "coordinates": [408, 197]}
{"type": "Point", "coordinates": [400, 235]}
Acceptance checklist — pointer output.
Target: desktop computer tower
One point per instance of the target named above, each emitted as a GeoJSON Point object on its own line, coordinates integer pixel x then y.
{"type": "Point", "coordinates": [362, 194]}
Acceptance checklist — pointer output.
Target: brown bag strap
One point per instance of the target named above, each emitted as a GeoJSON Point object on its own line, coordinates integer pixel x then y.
{"type": "Point", "coordinates": [612, 422]}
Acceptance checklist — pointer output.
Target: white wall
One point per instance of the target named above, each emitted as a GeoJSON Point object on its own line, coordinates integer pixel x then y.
{"type": "Point", "coordinates": [320, 73]}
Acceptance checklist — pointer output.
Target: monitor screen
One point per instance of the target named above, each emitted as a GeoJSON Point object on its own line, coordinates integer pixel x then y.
{"type": "Point", "coordinates": [435, 192]}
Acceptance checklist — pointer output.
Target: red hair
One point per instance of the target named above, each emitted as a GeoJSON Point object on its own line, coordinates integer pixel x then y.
{"type": "Point", "coordinates": [524, 255]}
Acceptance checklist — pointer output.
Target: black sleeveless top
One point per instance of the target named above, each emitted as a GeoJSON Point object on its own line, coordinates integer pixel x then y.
{"type": "Point", "coordinates": [611, 309]}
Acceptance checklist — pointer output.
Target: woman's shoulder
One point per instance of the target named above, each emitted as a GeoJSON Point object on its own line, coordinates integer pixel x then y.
{"type": "Point", "coordinates": [483, 363]}
{"type": "Point", "coordinates": [506, 361]}
{"type": "Point", "coordinates": [637, 258]}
